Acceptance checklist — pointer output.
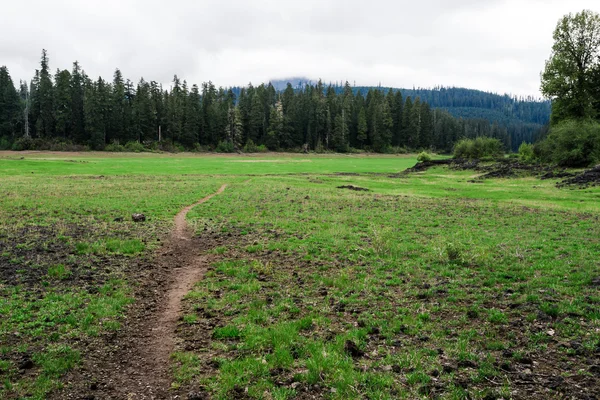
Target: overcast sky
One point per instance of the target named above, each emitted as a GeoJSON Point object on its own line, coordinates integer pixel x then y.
{"type": "Point", "coordinates": [494, 45]}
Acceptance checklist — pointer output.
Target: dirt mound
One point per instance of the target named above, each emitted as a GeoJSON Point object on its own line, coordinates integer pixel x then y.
{"type": "Point", "coordinates": [425, 165]}
{"type": "Point", "coordinates": [557, 175]}
{"type": "Point", "coordinates": [501, 168]}
{"type": "Point", "coordinates": [511, 169]}
{"type": "Point", "coordinates": [355, 188]}
{"type": "Point", "coordinates": [588, 178]}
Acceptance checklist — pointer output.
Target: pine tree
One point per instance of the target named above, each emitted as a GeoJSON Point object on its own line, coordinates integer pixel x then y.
{"type": "Point", "coordinates": [77, 107]}
{"type": "Point", "coordinates": [158, 104]}
{"type": "Point", "coordinates": [117, 126]}
{"type": "Point", "coordinates": [292, 125]}
{"type": "Point", "coordinates": [362, 127]}
{"type": "Point", "coordinates": [25, 104]}
{"type": "Point", "coordinates": [10, 106]}
{"type": "Point", "coordinates": [407, 134]}
{"type": "Point", "coordinates": [93, 129]}
{"type": "Point", "coordinates": [130, 124]}
{"type": "Point", "coordinates": [256, 119]}
{"type": "Point", "coordinates": [45, 93]}
{"type": "Point", "coordinates": [103, 92]}
{"type": "Point", "coordinates": [233, 130]}
{"type": "Point", "coordinates": [426, 136]}
{"type": "Point", "coordinates": [209, 97]}
{"type": "Point", "coordinates": [341, 133]}
{"type": "Point", "coordinates": [34, 104]}
{"type": "Point", "coordinates": [414, 125]}
{"type": "Point", "coordinates": [276, 132]}
{"type": "Point", "coordinates": [176, 110]}
{"type": "Point", "coordinates": [398, 139]}
{"type": "Point", "coordinates": [63, 104]}
{"type": "Point", "coordinates": [193, 122]}
{"type": "Point", "coordinates": [143, 115]}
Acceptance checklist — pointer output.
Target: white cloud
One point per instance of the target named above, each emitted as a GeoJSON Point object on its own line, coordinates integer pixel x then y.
{"type": "Point", "coordinates": [497, 45]}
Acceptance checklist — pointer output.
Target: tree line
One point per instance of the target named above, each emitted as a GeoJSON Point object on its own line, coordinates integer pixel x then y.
{"type": "Point", "coordinates": [70, 107]}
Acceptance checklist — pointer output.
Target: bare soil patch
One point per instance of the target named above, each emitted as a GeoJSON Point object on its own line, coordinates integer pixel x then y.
{"type": "Point", "coordinates": [586, 179]}
{"type": "Point", "coordinates": [354, 188]}
{"type": "Point", "coordinates": [506, 168]}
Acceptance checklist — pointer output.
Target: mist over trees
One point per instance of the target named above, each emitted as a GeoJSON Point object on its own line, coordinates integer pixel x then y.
{"type": "Point", "coordinates": [67, 107]}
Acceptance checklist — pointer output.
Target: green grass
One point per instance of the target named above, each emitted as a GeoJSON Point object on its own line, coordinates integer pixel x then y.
{"type": "Point", "coordinates": [111, 246]}
{"type": "Point", "coordinates": [424, 271]}
{"type": "Point", "coordinates": [402, 275]}
{"type": "Point", "coordinates": [108, 164]}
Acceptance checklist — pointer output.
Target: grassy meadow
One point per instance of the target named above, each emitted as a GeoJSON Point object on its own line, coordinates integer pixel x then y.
{"type": "Point", "coordinates": [426, 286]}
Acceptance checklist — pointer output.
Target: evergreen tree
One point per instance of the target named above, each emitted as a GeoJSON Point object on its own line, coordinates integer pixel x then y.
{"type": "Point", "coordinates": [233, 130]}
{"type": "Point", "coordinates": [63, 104]}
{"type": "Point", "coordinates": [255, 119]}
{"type": "Point", "coordinates": [45, 93]}
{"type": "Point", "coordinates": [117, 126]}
{"type": "Point", "coordinates": [209, 97]}
{"type": "Point", "coordinates": [77, 107]}
{"type": "Point", "coordinates": [25, 104]}
{"type": "Point", "coordinates": [93, 125]}
{"type": "Point", "coordinates": [341, 132]}
{"type": "Point", "coordinates": [362, 128]}
{"type": "Point", "coordinates": [158, 102]}
{"type": "Point", "coordinates": [34, 103]}
{"type": "Point", "coordinates": [193, 122]}
{"type": "Point", "coordinates": [426, 133]}
{"type": "Point", "coordinates": [176, 109]}
{"type": "Point", "coordinates": [10, 106]}
{"type": "Point", "coordinates": [398, 139]}
{"type": "Point", "coordinates": [408, 133]}
{"type": "Point", "coordinates": [276, 132]}
{"type": "Point", "coordinates": [318, 116]}
{"type": "Point", "coordinates": [143, 114]}
{"type": "Point", "coordinates": [414, 125]}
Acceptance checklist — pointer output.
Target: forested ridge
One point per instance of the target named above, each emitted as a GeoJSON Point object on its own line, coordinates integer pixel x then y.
{"type": "Point", "coordinates": [69, 107]}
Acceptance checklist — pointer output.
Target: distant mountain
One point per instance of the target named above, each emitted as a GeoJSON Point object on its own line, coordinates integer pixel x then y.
{"type": "Point", "coordinates": [470, 103]}
{"type": "Point", "coordinates": [281, 84]}
{"type": "Point", "coordinates": [460, 102]}
{"type": "Point", "coordinates": [524, 117]}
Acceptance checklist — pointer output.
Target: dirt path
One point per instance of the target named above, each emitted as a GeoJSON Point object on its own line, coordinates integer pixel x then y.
{"type": "Point", "coordinates": [190, 269]}
{"type": "Point", "coordinates": [136, 364]}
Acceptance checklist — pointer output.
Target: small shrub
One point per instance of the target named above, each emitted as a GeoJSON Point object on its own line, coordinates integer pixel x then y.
{"type": "Point", "coordinates": [571, 144]}
{"type": "Point", "coordinates": [342, 148]}
{"type": "Point", "coordinates": [250, 147]}
{"type": "Point", "coordinates": [526, 153]}
{"type": "Point", "coordinates": [393, 150]}
{"type": "Point", "coordinates": [47, 144]}
{"type": "Point", "coordinates": [478, 148]}
{"type": "Point", "coordinates": [424, 157]}
{"type": "Point", "coordinates": [179, 148]}
{"type": "Point", "coordinates": [135, 147]}
{"type": "Point", "coordinates": [5, 144]}
{"type": "Point", "coordinates": [354, 150]}
{"type": "Point", "coordinates": [115, 147]}
{"type": "Point", "coordinates": [198, 148]}
{"type": "Point", "coordinates": [225, 146]}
